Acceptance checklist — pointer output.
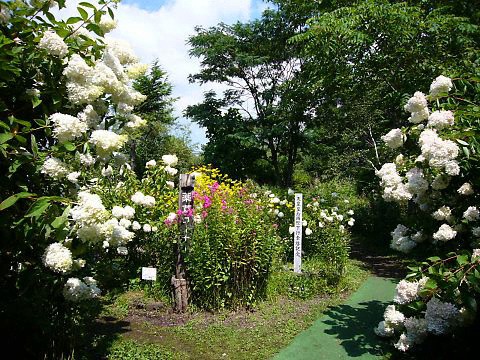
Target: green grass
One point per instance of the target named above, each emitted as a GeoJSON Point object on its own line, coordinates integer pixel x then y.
{"type": "Point", "coordinates": [257, 334]}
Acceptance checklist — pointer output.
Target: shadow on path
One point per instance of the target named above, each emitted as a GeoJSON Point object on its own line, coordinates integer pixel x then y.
{"type": "Point", "coordinates": [353, 327]}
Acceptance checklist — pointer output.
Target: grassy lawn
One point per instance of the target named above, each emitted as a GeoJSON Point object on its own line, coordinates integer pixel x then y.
{"type": "Point", "coordinates": [136, 327]}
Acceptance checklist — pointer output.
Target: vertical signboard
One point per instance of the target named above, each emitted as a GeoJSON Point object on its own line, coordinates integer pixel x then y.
{"type": "Point", "coordinates": [297, 235]}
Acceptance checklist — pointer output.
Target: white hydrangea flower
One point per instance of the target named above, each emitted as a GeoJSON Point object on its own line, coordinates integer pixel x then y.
{"type": "Point", "coordinates": [150, 164]}
{"type": "Point", "coordinates": [394, 138]}
{"type": "Point", "coordinates": [135, 122]}
{"type": "Point", "coordinates": [122, 51]}
{"type": "Point", "coordinates": [444, 233]}
{"type": "Point", "coordinates": [107, 24]}
{"type": "Point", "coordinates": [170, 160]}
{"type": "Point", "coordinates": [73, 176]}
{"type": "Point", "coordinates": [290, 192]}
{"type": "Point", "coordinates": [67, 127]}
{"type": "Point", "coordinates": [58, 258]}
{"type": "Point", "coordinates": [136, 70]}
{"type": "Point", "coordinates": [471, 214]}
{"type": "Point", "coordinates": [140, 199]}
{"type": "Point", "coordinates": [125, 223]}
{"type": "Point", "coordinates": [136, 225]}
{"type": "Point", "coordinates": [416, 329]}
{"type": "Point", "coordinates": [400, 241]}
{"type": "Point", "coordinates": [443, 214]}
{"type": "Point", "coordinates": [122, 250]}
{"type": "Point", "coordinates": [170, 171]}
{"type": "Point", "coordinates": [418, 107]}
{"type": "Point", "coordinates": [106, 142]}
{"type": "Point", "coordinates": [107, 171]}
{"type": "Point", "coordinates": [126, 212]}
{"type": "Point", "coordinates": [416, 182]}
{"type": "Point", "coordinates": [440, 119]}
{"type": "Point", "coordinates": [418, 116]}
{"type": "Point", "coordinates": [308, 232]}
{"type": "Point", "coordinates": [77, 290]}
{"type": "Point", "coordinates": [77, 69]}
{"type": "Point", "coordinates": [103, 76]}
{"type": "Point", "coordinates": [440, 85]}
{"type": "Point", "coordinates": [440, 182]}
{"type": "Point", "coordinates": [393, 318]}
{"type": "Point", "coordinates": [407, 291]}
{"type": "Point", "coordinates": [452, 168]}
{"type": "Point", "coordinates": [147, 228]}
{"type": "Point", "coordinates": [55, 168]}
{"type": "Point", "coordinates": [466, 189]}
{"type": "Point", "coordinates": [53, 44]}
{"type": "Point", "coordinates": [170, 184]}
{"type": "Point", "coordinates": [475, 254]}
{"type": "Point", "coordinates": [89, 116]}
{"type": "Point", "coordinates": [87, 159]}
{"type": "Point", "coordinates": [438, 152]}
{"type": "Point", "coordinates": [404, 343]}
{"type": "Point", "coordinates": [291, 229]}
{"type": "Point", "coordinates": [89, 210]}
{"type": "Point", "coordinates": [116, 234]}
{"type": "Point", "coordinates": [79, 93]}
{"type": "Point", "coordinates": [440, 316]}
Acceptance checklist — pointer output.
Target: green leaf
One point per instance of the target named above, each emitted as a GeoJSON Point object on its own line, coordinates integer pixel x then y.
{"type": "Point", "coordinates": [434, 259]}
{"type": "Point", "coordinates": [13, 199]}
{"type": "Point", "coordinates": [74, 20]}
{"type": "Point", "coordinates": [4, 137]}
{"type": "Point", "coordinates": [461, 142]}
{"type": "Point", "coordinates": [110, 12]}
{"type": "Point", "coordinates": [62, 219]}
{"type": "Point", "coordinates": [86, 4]}
{"type": "Point", "coordinates": [69, 146]}
{"type": "Point", "coordinates": [33, 140]}
{"type": "Point", "coordinates": [430, 284]}
{"type": "Point", "coordinates": [39, 207]}
{"type": "Point", "coordinates": [466, 151]}
{"type": "Point", "coordinates": [462, 259]}
{"type": "Point", "coordinates": [35, 102]}
{"type": "Point", "coordinates": [83, 13]}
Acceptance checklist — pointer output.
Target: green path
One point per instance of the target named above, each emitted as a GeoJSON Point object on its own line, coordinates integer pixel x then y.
{"type": "Point", "coordinates": [345, 331]}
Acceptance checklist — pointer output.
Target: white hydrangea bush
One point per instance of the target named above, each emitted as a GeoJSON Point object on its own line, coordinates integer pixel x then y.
{"type": "Point", "coordinates": [80, 146]}
{"type": "Point", "coordinates": [435, 178]}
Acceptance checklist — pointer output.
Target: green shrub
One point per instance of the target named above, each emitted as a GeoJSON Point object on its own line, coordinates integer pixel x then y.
{"type": "Point", "coordinates": [229, 258]}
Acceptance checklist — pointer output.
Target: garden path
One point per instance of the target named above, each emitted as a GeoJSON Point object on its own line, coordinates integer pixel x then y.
{"type": "Point", "coordinates": [346, 331]}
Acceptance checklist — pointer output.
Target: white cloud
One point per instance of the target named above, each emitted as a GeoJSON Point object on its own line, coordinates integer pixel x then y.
{"type": "Point", "coordinates": [162, 34]}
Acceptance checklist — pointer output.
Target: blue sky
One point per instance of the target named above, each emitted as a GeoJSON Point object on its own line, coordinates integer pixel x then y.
{"type": "Point", "coordinates": [158, 29]}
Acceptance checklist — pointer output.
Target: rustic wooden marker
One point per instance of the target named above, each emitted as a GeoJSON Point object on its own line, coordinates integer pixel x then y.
{"type": "Point", "coordinates": [297, 237]}
{"type": "Point", "coordinates": [185, 203]}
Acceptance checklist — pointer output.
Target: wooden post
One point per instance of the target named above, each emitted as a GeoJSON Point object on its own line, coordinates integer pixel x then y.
{"type": "Point", "coordinates": [185, 203]}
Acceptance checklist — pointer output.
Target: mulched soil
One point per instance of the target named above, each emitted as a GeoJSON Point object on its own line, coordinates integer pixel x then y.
{"type": "Point", "coordinates": [382, 265]}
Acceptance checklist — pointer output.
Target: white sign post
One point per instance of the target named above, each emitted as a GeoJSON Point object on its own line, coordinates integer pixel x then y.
{"type": "Point", "coordinates": [297, 235]}
{"type": "Point", "coordinates": [149, 273]}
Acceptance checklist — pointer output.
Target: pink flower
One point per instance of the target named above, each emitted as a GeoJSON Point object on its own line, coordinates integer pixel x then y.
{"type": "Point", "coordinates": [213, 188]}
{"type": "Point", "coordinates": [207, 202]}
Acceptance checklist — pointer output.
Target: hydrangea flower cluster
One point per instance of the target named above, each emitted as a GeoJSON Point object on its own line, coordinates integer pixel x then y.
{"type": "Point", "coordinates": [76, 290]}
{"type": "Point", "coordinates": [58, 258]}
{"type": "Point", "coordinates": [426, 180]}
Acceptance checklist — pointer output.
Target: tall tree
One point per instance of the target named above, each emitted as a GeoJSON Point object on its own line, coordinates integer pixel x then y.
{"type": "Point", "coordinates": [262, 113]}
{"type": "Point", "coordinates": [156, 140]}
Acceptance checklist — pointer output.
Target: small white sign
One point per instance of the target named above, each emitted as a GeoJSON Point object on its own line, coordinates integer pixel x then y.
{"type": "Point", "coordinates": [297, 235]}
{"type": "Point", "coordinates": [149, 273]}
